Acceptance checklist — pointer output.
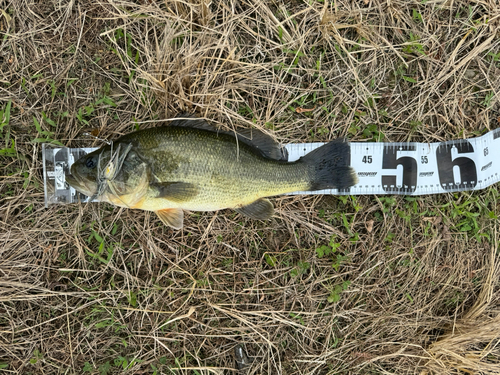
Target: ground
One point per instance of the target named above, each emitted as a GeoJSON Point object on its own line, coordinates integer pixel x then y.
{"type": "Point", "coordinates": [329, 285]}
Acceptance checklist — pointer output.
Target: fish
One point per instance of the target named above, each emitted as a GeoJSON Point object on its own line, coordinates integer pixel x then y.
{"type": "Point", "coordinates": [192, 165]}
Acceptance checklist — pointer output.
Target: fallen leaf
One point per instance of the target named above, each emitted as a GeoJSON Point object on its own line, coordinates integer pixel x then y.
{"type": "Point", "coordinates": [369, 226]}
{"type": "Point", "coordinates": [300, 110]}
{"type": "Point", "coordinates": [47, 248]}
{"type": "Point", "coordinates": [435, 220]}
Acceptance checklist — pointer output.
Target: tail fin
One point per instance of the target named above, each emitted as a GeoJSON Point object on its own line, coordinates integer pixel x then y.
{"type": "Point", "coordinates": [330, 166]}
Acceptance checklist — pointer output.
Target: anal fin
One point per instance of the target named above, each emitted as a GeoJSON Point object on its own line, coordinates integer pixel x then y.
{"type": "Point", "coordinates": [172, 217]}
{"type": "Point", "coordinates": [261, 209]}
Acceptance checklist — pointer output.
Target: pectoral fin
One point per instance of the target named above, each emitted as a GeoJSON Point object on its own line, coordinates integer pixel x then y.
{"type": "Point", "coordinates": [172, 217]}
{"type": "Point", "coordinates": [261, 209]}
{"type": "Point", "coordinates": [175, 191]}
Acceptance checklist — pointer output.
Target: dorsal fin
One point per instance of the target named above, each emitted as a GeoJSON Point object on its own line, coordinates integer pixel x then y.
{"type": "Point", "coordinates": [251, 137]}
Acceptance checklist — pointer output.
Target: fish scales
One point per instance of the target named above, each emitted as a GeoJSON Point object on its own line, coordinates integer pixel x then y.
{"type": "Point", "coordinates": [228, 173]}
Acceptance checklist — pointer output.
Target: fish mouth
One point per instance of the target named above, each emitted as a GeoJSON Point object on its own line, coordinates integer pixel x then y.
{"type": "Point", "coordinates": [72, 181]}
{"type": "Point", "coordinates": [78, 183]}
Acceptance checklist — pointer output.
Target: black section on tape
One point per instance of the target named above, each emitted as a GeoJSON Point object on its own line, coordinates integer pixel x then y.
{"type": "Point", "coordinates": [445, 165]}
{"type": "Point", "coordinates": [390, 161]}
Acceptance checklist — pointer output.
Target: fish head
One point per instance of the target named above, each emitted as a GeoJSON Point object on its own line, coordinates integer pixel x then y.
{"type": "Point", "coordinates": [126, 176]}
{"type": "Point", "coordinates": [84, 172]}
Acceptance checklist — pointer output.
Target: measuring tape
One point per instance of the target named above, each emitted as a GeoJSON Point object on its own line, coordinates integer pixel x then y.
{"type": "Point", "coordinates": [383, 168]}
{"type": "Point", "coordinates": [418, 168]}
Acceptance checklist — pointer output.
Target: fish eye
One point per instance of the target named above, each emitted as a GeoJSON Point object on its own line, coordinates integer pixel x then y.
{"type": "Point", "coordinates": [90, 163]}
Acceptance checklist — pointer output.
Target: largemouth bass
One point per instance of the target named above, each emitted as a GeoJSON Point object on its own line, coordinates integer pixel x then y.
{"type": "Point", "coordinates": [190, 165]}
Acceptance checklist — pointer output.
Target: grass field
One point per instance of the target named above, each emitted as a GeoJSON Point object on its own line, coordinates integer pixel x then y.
{"type": "Point", "coordinates": [329, 285]}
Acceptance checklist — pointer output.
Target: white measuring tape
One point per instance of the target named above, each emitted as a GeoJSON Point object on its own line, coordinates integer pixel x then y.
{"type": "Point", "coordinates": [383, 168]}
{"type": "Point", "coordinates": [418, 168]}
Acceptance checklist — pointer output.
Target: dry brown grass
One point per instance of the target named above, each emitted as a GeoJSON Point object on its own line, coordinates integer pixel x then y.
{"type": "Point", "coordinates": [420, 276]}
